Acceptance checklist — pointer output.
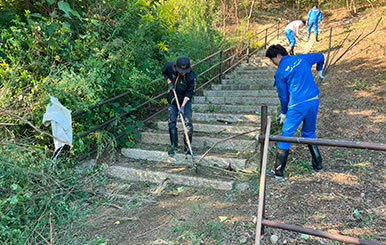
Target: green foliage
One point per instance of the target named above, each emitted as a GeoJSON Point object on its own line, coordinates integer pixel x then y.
{"type": "Point", "coordinates": [84, 53]}
{"type": "Point", "coordinates": [36, 192]}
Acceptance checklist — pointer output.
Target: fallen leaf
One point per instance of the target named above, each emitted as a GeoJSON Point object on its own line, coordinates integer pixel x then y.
{"type": "Point", "coordinates": [305, 236]}
{"type": "Point", "coordinates": [222, 218]}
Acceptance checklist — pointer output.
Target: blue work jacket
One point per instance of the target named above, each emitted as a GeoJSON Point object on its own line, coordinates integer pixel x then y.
{"type": "Point", "coordinates": [313, 15]}
{"type": "Point", "coordinates": [294, 80]}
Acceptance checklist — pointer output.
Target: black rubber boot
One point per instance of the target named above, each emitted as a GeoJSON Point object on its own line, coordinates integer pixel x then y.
{"type": "Point", "coordinates": [291, 52]}
{"type": "Point", "coordinates": [190, 135]}
{"type": "Point", "coordinates": [281, 161]}
{"type": "Point", "coordinates": [316, 158]}
{"type": "Point", "coordinates": [173, 141]}
{"type": "Point", "coordinates": [316, 37]}
{"type": "Point", "coordinates": [308, 36]}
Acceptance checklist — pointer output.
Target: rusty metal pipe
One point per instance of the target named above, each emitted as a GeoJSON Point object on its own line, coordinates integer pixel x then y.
{"type": "Point", "coordinates": [328, 235]}
{"type": "Point", "coordinates": [328, 142]}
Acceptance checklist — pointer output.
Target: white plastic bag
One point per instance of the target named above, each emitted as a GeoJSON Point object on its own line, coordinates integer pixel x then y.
{"type": "Point", "coordinates": [61, 122]}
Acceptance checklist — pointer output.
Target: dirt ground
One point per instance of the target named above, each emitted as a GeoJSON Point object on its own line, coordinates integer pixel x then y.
{"type": "Point", "coordinates": [348, 198]}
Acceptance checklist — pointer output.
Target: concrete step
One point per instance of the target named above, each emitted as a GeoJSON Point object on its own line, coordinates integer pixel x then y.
{"type": "Point", "coordinates": [213, 128]}
{"type": "Point", "coordinates": [159, 156]}
{"type": "Point", "coordinates": [154, 176]}
{"type": "Point", "coordinates": [265, 72]}
{"type": "Point", "coordinates": [225, 117]}
{"type": "Point", "coordinates": [243, 76]}
{"type": "Point", "coordinates": [249, 86]}
{"type": "Point", "coordinates": [236, 100]}
{"type": "Point", "coordinates": [242, 93]}
{"type": "Point", "coordinates": [248, 81]}
{"type": "Point", "coordinates": [232, 108]}
{"type": "Point", "coordinates": [200, 142]}
{"type": "Point", "coordinates": [246, 67]}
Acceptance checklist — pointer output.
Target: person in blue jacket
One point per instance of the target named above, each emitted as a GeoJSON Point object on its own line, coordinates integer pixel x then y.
{"type": "Point", "coordinates": [182, 78]}
{"type": "Point", "coordinates": [312, 20]}
{"type": "Point", "coordinates": [298, 95]}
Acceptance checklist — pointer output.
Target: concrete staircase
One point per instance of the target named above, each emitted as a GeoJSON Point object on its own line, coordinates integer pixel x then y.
{"type": "Point", "coordinates": [225, 109]}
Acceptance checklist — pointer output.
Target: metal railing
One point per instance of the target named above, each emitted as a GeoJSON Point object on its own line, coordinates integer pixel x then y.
{"type": "Point", "coordinates": [299, 140]}
{"type": "Point", "coordinates": [227, 59]}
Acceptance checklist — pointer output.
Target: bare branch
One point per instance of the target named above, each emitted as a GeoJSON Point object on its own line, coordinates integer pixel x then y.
{"type": "Point", "coordinates": [7, 124]}
{"type": "Point", "coordinates": [358, 40]}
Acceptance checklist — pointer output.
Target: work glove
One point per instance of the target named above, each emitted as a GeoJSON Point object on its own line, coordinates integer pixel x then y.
{"type": "Point", "coordinates": [282, 118]}
{"type": "Point", "coordinates": [171, 86]}
{"type": "Point", "coordinates": [182, 110]}
{"type": "Point", "coordinates": [320, 74]}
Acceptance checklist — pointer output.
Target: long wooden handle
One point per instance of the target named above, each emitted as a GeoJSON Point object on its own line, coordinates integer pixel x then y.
{"type": "Point", "coordinates": [183, 123]}
{"type": "Point", "coordinates": [262, 184]}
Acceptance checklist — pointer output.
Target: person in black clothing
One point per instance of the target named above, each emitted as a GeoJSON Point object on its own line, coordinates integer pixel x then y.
{"type": "Point", "coordinates": [182, 78]}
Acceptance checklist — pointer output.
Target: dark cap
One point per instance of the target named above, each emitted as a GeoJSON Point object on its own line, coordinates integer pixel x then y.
{"type": "Point", "coordinates": [183, 64]}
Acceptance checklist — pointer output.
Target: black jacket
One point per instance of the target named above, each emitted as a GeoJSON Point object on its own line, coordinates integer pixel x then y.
{"type": "Point", "coordinates": [184, 85]}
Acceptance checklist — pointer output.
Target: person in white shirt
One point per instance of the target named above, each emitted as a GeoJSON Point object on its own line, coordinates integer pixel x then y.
{"type": "Point", "coordinates": [291, 31]}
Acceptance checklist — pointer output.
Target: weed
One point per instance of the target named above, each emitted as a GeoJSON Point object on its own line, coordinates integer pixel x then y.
{"type": "Point", "coordinates": [365, 221]}
{"type": "Point", "coordinates": [254, 184]}
{"type": "Point", "coordinates": [334, 243]}
{"type": "Point", "coordinates": [361, 85]}
{"type": "Point", "coordinates": [250, 225]}
{"type": "Point", "coordinates": [299, 167]}
{"type": "Point", "coordinates": [195, 233]}
{"type": "Point", "coordinates": [195, 210]}
{"type": "Point", "coordinates": [214, 108]}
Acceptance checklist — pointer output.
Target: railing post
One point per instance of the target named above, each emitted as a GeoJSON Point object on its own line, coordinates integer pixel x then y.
{"type": "Point", "coordinates": [249, 45]}
{"type": "Point", "coordinates": [278, 24]}
{"type": "Point", "coordinates": [266, 37]}
{"type": "Point", "coordinates": [263, 126]}
{"type": "Point", "coordinates": [221, 67]}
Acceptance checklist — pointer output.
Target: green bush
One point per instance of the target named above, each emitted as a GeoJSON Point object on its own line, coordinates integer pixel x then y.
{"type": "Point", "coordinates": [85, 55]}
{"type": "Point", "coordinates": [36, 193]}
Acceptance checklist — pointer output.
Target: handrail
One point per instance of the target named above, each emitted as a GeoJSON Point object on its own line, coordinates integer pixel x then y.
{"type": "Point", "coordinates": [207, 58]}
{"type": "Point", "coordinates": [76, 114]}
{"type": "Point", "coordinates": [210, 68]}
{"type": "Point", "coordinates": [231, 47]}
{"type": "Point", "coordinates": [115, 118]}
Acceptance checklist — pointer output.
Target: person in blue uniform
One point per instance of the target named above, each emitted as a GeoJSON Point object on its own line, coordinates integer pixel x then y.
{"type": "Point", "coordinates": [312, 21]}
{"type": "Point", "coordinates": [298, 95]}
{"type": "Point", "coordinates": [292, 31]}
{"type": "Point", "coordinates": [182, 78]}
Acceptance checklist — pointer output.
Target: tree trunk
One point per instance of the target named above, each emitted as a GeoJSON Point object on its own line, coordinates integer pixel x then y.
{"type": "Point", "coordinates": [354, 6]}
{"type": "Point", "coordinates": [27, 4]}
{"type": "Point", "coordinates": [223, 13]}
{"type": "Point", "coordinates": [250, 14]}
{"type": "Point", "coordinates": [236, 14]}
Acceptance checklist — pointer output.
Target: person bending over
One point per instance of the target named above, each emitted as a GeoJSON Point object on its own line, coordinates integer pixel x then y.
{"type": "Point", "coordinates": [292, 31]}
{"type": "Point", "coordinates": [182, 78]}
